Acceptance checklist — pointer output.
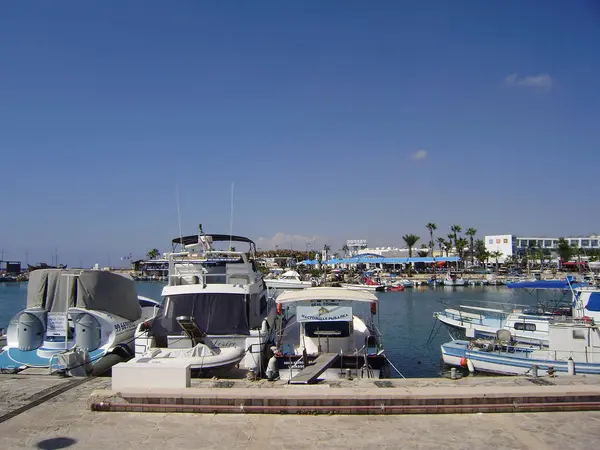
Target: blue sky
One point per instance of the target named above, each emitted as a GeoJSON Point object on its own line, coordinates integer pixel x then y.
{"type": "Point", "coordinates": [335, 120]}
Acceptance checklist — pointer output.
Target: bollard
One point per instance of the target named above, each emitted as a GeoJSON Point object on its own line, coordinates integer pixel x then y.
{"type": "Point", "coordinates": [571, 366]}
{"type": "Point", "coordinates": [453, 373]}
{"type": "Point", "coordinates": [348, 374]}
{"type": "Point", "coordinates": [534, 371]}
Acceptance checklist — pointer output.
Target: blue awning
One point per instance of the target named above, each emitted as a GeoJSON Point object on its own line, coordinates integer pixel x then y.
{"type": "Point", "coordinates": [593, 303]}
{"type": "Point", "coordinates": [545, 284]}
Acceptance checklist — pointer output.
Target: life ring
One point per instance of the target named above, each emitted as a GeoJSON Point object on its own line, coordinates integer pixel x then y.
{"type": "Point", "coordinates": [279, 308]}
{"type": "Point", "coordinates": [463, 362]}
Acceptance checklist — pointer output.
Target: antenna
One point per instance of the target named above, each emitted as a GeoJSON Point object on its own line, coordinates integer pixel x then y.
{"type": "Point", "coordinates": [178, 216]}
{"type": "Point", "coordinates": [231, 218]}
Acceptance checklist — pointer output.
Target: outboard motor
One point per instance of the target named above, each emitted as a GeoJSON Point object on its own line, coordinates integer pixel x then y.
{"type": "Point", "coordinates": [87, 332]}
{"type": "Point", "coordinates": [30, 332]}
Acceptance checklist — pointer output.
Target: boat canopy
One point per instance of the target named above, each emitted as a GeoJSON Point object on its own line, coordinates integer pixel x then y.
{"type": "Point", "coordinates": [331, 294]}
{"type": "Point", "coordinates": [193, 239]}
{"type": "Point", "coordinates": [56, 290]}
{"type": "Point", "coordinates": [593, 302]}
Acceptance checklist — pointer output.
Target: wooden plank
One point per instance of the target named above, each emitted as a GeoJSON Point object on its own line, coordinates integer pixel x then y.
{"type": "Point", "coordinates": [310, 373]}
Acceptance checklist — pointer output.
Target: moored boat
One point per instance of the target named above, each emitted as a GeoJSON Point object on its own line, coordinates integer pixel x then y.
{"type": "Point", "coordinates": [76, 321]}
{"type": "Point", "coordinates": [217, 313]}
{"type": "Point", "coordinates": [573, 346]}
{"type": "Point", "coordinates": [332, 323]}
{"type": "Point", "coordinates": [288, 280]}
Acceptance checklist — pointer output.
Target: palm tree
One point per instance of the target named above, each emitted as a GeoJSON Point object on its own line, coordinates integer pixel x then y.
{"type": "Point", "coordinates": [461, 244]}
{"type": "Point", "coordinates": [481, 251]}
{"type": "Point", "coordinates": [345, 250]}
{"type": "Point", "coordinates": [565, 251]}
{"type": "Point", "coordinates": [153, 254]}
{"type": "Point", "coordinates": [496, 254]}
{"type": "Point", "coordinates": [455, 230]}
{"type": "Point", "coordinates": [326, 249]}
{"type": "Point", "coordinates": [471, 232]}
{"type": "Point", "coordinates": [411, 240]}
{"type": "Point", "coordinates": [431, 227]}
{"type": "Point", "coordinates": [449, 244]}
{"type": "Point", "coordinates": [441, 242]}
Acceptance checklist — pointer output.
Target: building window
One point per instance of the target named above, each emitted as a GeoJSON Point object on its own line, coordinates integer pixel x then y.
{"type": "Point", "coordinates": [594, 243]}
{"type": "Point", "coordinates": [555, 243]}
{"type": "Point", "coordinates": [540, 243]}
{"type": "Point", "coordinates": [578, 334]}
{"type": "Point", "coordinates": [547, 243]}
{"type": "Point", "coordinates": [524, 326]}
{"type": "Point", "coordinates": [585, 242]}
{"type": "Point", "coordinates": [574, 242]}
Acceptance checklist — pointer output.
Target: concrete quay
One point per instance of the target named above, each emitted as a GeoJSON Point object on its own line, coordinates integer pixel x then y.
{"type": "Point", "coordinates": [64, 420]}
{"type": "Point", "coordinates": [420, 396]}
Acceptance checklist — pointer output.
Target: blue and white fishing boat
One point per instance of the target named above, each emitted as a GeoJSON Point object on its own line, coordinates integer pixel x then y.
{"type": "Point", "coordinates": [76, 321]}
{"type": "Point", "coordinates": [573, 347]}
{"type": "Point", "coordinates": [527, 326]}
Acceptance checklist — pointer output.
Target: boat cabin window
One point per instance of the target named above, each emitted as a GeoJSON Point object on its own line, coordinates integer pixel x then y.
{"type": "Point", "coordinates": [215, 313]}
{"type": "Point", "coordinates": [327, 329]}
{"type": "Point", "coordinates": [524, 326]}
{"type": "Point", "coordinates": [578, 334]}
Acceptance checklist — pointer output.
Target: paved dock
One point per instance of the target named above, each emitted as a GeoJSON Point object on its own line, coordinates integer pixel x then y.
{"type": "Point", "coordinates": [65, 421]}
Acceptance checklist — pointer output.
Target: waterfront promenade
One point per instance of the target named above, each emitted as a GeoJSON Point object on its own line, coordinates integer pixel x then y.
{"type": "Point", "coordinates": [66, 421]}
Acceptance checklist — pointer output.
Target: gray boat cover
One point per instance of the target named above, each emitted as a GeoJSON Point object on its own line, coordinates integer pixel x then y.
{"type": "Point", "coordinates": [56, 290]}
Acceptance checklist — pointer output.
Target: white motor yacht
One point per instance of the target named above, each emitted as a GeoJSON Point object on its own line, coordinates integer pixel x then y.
{"type": "Point", "coordinates": [288, 280]}
{"type": "Point", "coordinates": [331, 327]}
{"type": "Point", "coordinates": [216, 312]}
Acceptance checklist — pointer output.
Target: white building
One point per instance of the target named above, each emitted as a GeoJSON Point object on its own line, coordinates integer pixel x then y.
{"type": "Point", "coordinates": [505, 243]}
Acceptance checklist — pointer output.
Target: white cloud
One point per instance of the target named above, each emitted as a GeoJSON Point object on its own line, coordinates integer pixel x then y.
{"type": "Point", "coordinates": [294, 241]}
{"type": "Point", "coordinates": [419, 154]}
{"type": "Point", "coordinates": [541, 81]}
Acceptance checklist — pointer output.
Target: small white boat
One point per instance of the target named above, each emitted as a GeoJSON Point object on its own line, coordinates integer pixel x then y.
{"type": "Point", "coordinates": [216, 313]}
{"type": "Point", "coordinates": [333, 323]}
{"type": "Point", "coordinates": [288, 280]}
{"type": "Point", "coordinates": [79, 322]}
{"type": "Point", "coordinates": [375, 287]}
{"type": "Point", "coordinates": [452, 279]}
{"type": "Point", "coordinates": [573, 347]}
{"type": "Point", "coordinates": [525, 326]}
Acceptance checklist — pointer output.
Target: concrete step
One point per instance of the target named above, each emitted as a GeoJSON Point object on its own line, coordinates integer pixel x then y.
{"type": "Point", "coordinates": [353, 401]}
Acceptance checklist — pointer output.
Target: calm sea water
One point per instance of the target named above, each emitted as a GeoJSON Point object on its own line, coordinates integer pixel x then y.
{"type": "Point", "coordinates": [406, 318]}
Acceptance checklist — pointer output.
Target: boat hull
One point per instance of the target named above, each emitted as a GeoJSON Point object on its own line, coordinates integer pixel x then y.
{"type": "Point", "coordinates": [519, 362]}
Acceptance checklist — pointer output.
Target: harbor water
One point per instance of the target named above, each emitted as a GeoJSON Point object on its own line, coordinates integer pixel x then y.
{"type": "Point", "coordinates": [405, 318]}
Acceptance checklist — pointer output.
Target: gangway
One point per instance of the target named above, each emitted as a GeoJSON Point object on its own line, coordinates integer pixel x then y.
{"type": "Point", "coordinates": [309, 374]}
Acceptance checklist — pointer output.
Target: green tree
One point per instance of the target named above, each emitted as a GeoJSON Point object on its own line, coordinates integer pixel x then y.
{"type": "Point", "coordinates": [431, 227]}
{"type": "Point", "coordinates": [461, 244]}
{"type": "Point", "coordinates": [480, 250]}
{"type": "Point", "coordinates": [441, 242]}
{"type": "Point", "coordinates": [411, 240]}
{"type": "Point", "coordinates": [565, 251]}
{"type": "Point", "coordinates": [455, 230]}
{"type": "Point", "coordinates": [471, 232]}
{"type": "Point", "coordinates": [496, 254]}
{"type": "Point", "coordinates": [345, 250]}
{"type": "Point", "coordinates": [153, 254]}
{"type": "Point", "coordinates": [450, 243]}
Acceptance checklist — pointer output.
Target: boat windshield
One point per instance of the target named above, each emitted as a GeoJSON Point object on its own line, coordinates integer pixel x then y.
{"type": "Point", "coordinates": [327, 329]}
{"type": "Point", "coordinates": [214, 313]}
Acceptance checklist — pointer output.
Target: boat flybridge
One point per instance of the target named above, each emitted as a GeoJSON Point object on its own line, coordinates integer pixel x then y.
{"type": "Point", "coordinates": [78, 322]}
{"type": "Point", "coordinates": [216, 311]}
{"type": "Point", "coordinates": [328, 333]}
